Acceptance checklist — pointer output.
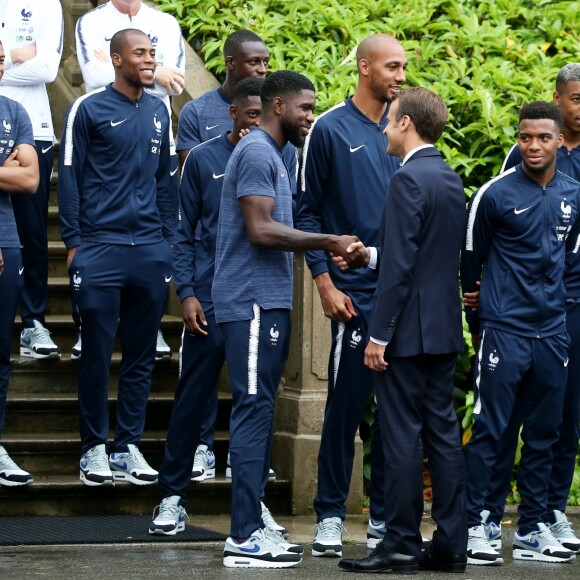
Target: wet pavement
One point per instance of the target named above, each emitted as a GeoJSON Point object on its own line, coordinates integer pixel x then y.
{"type": "Point", "coordinates": [204, 560]}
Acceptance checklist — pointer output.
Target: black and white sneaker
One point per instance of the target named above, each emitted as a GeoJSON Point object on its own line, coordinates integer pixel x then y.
{"type": "Point", "coordinates": [260, 550]}
{"type": "Point", "coordinates": [376, 531]}
{"type": "Point", "coordinates": [328, 538]}
{"type": "Point", "coordinates": [10, 474]}
{"type": "Point", "coordinates": [132, 467]}
{"type": "Point", "coordinates": [162, 350]}
{"type": "Point", "coordinates": [479, 552]}
{"type": "Point", "coordinates": [35, 342]}
{"type": "Point", "coordinates": [170, 517]}
{"type": "Point", "coordinates": [541, 546]}
{"type": "Point", "coordinates": [95, 467]}
{"type": "Point", "coordinates": [563, 532]}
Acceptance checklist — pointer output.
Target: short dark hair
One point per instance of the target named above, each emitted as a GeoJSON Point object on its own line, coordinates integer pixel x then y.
{"type": "Point", "coordinates": [427, 111]}
{"type": "Point", "coordinates": [284, 82]}
{"type": "Point", "coordinates": [570, 72]}
{"type": "Point", "coordinates": [235, 40]}
{"type": "Point", "coordinates": [120, 38]}
{"type": "Point", "coordinates": [542, 110]}
{"type": "Point", "coordinates": [249, 87]}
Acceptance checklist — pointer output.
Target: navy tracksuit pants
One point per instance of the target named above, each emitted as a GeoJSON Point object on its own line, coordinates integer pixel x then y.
{"type": "Point", "coordinates": [256, 351]}
{"type": "Point", "coordinates": [202, 358]}
{"type": "Point", "coordinates": [31, 215]}
{"type": "Point", "coordinates": [566, 448]}
{"type": "Point", "coordinates": [533, 371]}
{"type": "Point", "coordinates": [11, 283]}
{"type": "Point", "coordinates": [350, 387]}
{"type": "Point", "coordinates": [126, 286]}
{"type": "Point", "coordinates": [416, 406]}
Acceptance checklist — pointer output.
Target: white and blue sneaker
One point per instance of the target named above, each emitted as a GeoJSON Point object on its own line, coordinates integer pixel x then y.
{"type": "Point", "coordinates": [328, 538]}
{"type": "Point", "coordinates": [203, 464]}
{"type": "Point", "coordinates": [492, 530]}
{"type": "Point", "coordinates": [132, 467]}
{"type": "Point", "coordinates": [541, 546]}
{"type": "Point", "coordinates": [260, 550]}
{"type": "Point", "coordinates": [170, 517]}
{"type": "Point", "coordinates": [77, 349]}
{"type": "Point", "coordinates": [95, 468]}
{"type": "Point", "coordinates": [279, 538]}
{"type": "Point", "coordinates": [10, 474]}
{"type": "Point", "coordinates": [479, 552]}
{"type": "Point", "coordinates": [271, 472]}
{"type": "Point", "coordinates": [162, 350]}
{"type": "Point", "coordinates": [35, 342]}
{"type": "Point", "coordinates": [563, 532]}
{"type": "Point", "coordinates": [271, 523]}
{"type": "Point", "coordinates": [375, 533]}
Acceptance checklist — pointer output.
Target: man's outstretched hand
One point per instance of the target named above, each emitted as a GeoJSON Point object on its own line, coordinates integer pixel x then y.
{"type": "Point", "coordinates": [357, 256]}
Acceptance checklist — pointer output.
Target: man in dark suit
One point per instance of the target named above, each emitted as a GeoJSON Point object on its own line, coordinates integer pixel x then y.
{"type": "Point", "coordinates": [415, 335]}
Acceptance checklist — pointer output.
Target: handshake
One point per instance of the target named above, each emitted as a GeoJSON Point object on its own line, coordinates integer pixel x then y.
{"type": "Point", "coordinates": [349, 253]}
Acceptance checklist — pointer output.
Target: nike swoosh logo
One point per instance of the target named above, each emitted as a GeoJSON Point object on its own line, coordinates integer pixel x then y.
{"type": "Point", "coordinates": [533, 544]}
{"type": "Point", "coordinates": [566, 362]}
{"type": "Point", "coordinates": [20, 270]}
{"type": "Point", "coordinates": [255, 548]}
{"type": "Point", "coordinates": [114, 124]}
{"type": "Point", "coordinates": [47, 149]}
{"type": "Point", "coordinates": [218, 176]}
{"type": "Point", "coordinates": [168, 279]}
{"type": "Point", "coordinates": [353, 149]}
{"type": "Point", "coordinates": [172, 173]}
{"type": "Point", "coordinates": [519, 211]}
{"type": "Point", "coordinates": [210, 128]}
{"type": "Point", "coordinates": [282, 175]}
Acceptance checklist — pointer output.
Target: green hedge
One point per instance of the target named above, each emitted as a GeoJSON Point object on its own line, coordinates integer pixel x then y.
{"type": "Point", "coordinates": [485, 58]}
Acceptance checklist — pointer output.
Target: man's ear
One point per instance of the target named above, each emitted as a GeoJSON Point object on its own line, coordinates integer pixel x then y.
{"type": "Point", "coordinates": [278, 105]}
{"type": "Point", "coordinates": [233, 112]}
{"type": "Point", "coordinates": [116, 58]}
{"type": "Point", "coordinates": [229, 62]}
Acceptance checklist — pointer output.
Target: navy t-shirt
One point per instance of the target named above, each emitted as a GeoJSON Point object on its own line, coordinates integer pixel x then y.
{"type": "Point", "coordinates": [16, 130]}
{"type": "Point", "coordinates": [244, 274]}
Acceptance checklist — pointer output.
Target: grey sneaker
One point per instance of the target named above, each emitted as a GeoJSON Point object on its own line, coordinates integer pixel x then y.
{"type": "Point", "coordinates": [271, 523]}
{"type": "Point", "coordinates": [563, 532]}
{"type": "Point", "coordinates": [170, 517]}
{"type": "Point", "coordinates": [203, 464]}
{"type": "Point", "coordinates": [10, 474]}
{"type": "Point", "coordinates": [260, 550]}
{"type": "Point", "coordinates": [492, 530]}
{"type": "Point", "coordinates": [77, 349]}
{"type": "Point", "coordinates": [541, 546]}
{"type": "Point", "coordinates": [35, 342]}
{"type": "Point", "coordinates": [162, 350]}
{"type": "Point", "coordinates": [375, 533]}
{"type": "Point", "coordinates": [280, 539]}
{"type": "Point", "coordinates": [328, 538]}
{"type": "Point", "coordinates": [132, 467]}
{"type": "Point", "coordinates": [95, 468]}
{"type": "Point", "coordinates": [479, 552]}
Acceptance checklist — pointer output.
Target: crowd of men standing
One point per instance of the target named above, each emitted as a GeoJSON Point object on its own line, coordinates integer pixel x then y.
{"type": "Point", "coordinates": [382, 221]}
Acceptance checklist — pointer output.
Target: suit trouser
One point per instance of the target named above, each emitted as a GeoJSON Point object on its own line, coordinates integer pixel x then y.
{"type": "Point", "coordinates": [533, 370]}
{"type": "Point", "coordinates": [126, 286]}
{"type": "Point", "coordinates": [31, 214]}
{"type": "Point", "coordinates": [202, 358]}
{"type": "Point", "coordinates": [11, 282]}
{"type": "Point", "coordinates": [566, 448]}
{"type": "Point", "coordinates": [349, 390]}
{"type": "Point", "coordinates": [256, 351]}
{"type": "Point", "coordinates": [416, 406]}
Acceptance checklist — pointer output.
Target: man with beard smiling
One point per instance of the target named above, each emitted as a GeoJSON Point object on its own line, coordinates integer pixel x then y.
{"type": "Point", "coordinates": [254, 243]}
{"type": "Point", "coordinates": [345, 177]}
{"type": "Point", "coordinates": [520, 225]}
{"type": "Point", "coordinates": [117, 217]}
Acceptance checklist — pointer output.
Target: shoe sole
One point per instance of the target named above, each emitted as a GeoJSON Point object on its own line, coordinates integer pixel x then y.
{"type": "Point", "coordinates": [123, 476]}
{"type": "Point", "coordinates": [155, 531]}
{"type": "Point", "coordinates": [208, 474]}
{"type": "Point", "coordinates": [28, 353]}
{"type": "Point", "coordinates": [529, 555]}
{"type": "Point", "coordinates": [75, 356]}
{"type": "Point", "coordinates": [476, 562]}
{"type": "Point", "coordinates": [329, 552]}
{"type": "Point", "coordinates": [91, 483]}
{"type": "Point", "coordinates": [246, 562]}
{"type": "Point", "coordinates": [165, 356]}
{"type": "Point", "coordinates": [10, 483]}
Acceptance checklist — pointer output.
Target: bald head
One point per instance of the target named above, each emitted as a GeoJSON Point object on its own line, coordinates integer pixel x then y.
{"type": "Point", "coordinates": [374, 45]}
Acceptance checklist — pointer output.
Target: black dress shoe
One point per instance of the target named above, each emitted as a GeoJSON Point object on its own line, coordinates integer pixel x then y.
{"type": "Point", "coordinates": [381, 559]}
{"type": "Point", "coordinates": [432, 559]}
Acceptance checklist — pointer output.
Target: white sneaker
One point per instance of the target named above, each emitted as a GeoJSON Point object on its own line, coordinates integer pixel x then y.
{"type": "Point", "coordinates": [479, 552]}
{"type": "Point", "coordinates": [271, 523]}
{"type": "Point", "coordinates": [328, 538]}
{"type": "Point", "coordinates": [203, 464]}
{"type": "Point", "coordinates": [77, 349]}
{"type": "Point", "coordinates": [162, 350]}
{"type": "Point", "coordinates": [492, 530]}
{"type": "Point", "coordinates": [376, 531]}
{"type": "Point", "coordinates": [260, 550]}
{"type": "Point", "coordinates": [10, 474]}
{"type": "Point", "coordinates": [170, 517]}
{"type": "Point", "coordinates": [132, 467]}
{"type": "Point", "coordinates": [95, 467]}
{"type": "Point", "coordinates": [271, 472]}
{"type": "Point", "coordinates": [35, 342]}
{"type": "Point", "coordinates": [279, 539]}
{"type": "Point", "coordinates": [563, 532]}
{"type": "Point", "coordinates": [541, 546]}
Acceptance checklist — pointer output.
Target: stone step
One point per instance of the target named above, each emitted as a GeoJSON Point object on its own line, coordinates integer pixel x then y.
{"type": "Point", "coordinates": [44, 454]}
{"type": "Point", "coordinates": [67, 496]}
{"type": "Point", "coordinates": [53, 221]}
{"type": "Point", "coordinates": [57, 258]}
